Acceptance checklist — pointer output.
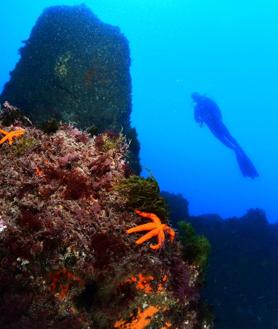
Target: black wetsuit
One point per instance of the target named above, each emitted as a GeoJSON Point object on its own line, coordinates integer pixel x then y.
{"type": "Point", "coordinates": [206, 111]}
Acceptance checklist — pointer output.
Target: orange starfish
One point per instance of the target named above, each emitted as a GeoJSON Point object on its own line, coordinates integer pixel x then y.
{"type": "Point", "coordinates": [9, 135]}
{"type": "Point", "coordinates": [155, 228]}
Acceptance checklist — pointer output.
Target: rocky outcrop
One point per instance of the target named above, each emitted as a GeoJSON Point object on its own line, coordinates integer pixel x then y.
{"type": "Point", "coordinates": [66, 260]}
{"type": "Point", "coordinates": [241, 279]}
{"type": "Point", "coordinates": [75, 68]}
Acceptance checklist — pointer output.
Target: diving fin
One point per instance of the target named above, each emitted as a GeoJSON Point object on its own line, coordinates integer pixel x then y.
{"type": "Point", "coordinates": [245, 164]}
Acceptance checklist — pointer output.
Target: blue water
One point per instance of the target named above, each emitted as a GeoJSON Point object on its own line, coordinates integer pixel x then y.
{"type": "Point", "coordinates": [225, 49]}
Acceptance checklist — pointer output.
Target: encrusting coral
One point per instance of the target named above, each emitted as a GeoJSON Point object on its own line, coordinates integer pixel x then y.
{"type": "Point", "coordinates": [65, 258]}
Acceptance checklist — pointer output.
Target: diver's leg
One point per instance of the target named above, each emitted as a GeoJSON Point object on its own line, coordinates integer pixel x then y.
{"type": "Point", "coordinates": [245, 164]}
{"type": "Point", "coordinates": [229, 137]}
{"type": "Point", "coordinates": [221, 132]}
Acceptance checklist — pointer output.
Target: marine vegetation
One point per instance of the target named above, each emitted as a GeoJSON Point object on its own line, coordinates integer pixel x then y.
{"type": "Point", "coordinates": [66, 203]}
{"type": "Point", "coordinates": [144, 194]}
{"type": "Point", "coordinates": [196, 248]}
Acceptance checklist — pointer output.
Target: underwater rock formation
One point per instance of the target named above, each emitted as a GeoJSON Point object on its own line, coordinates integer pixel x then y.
{"type": "Point", "coordinates": [66, 260]}
{"type": "Point", "coordinates": [244, 260]}
{"type": "Point", "coordinates": [241, 277]}
{"type": "Point", "coordinates": [75, 68]}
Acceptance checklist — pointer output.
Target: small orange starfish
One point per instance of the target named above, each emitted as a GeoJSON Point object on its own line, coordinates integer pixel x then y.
{"type": "Point", "coordinates": [155, 228]}
{"type": "Point", "coordinates": [9, 135]}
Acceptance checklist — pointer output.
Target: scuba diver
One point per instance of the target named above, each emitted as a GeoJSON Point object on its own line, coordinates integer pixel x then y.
{"type": "Point", "coordinates": [207, 111]}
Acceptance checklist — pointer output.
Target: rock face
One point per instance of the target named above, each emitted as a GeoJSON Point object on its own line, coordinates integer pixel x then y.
{"type": "Point", "coordinates": [75, 68]}
{"type": "Point", "coordinates": [243, 260]}
{"type": "Point", "coordinates": [66, 260]}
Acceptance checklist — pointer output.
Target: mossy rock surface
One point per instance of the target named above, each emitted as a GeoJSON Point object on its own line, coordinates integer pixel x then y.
{"type": "Point", "coordinates": [67, 260]}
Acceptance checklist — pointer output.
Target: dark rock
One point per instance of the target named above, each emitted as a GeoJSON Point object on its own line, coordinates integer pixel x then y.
{"type": "Point", "coordinates": [241, 281]}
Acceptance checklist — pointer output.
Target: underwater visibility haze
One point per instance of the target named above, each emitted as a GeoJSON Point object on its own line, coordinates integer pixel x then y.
{"type": "Point", "coordinates": [224, 50]}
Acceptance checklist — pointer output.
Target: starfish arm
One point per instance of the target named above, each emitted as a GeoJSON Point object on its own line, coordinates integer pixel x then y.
{"type": "Point", "coordinates": [10, 138]}
{"type": "Point", "coordinates": [19, 132]}
{"type": "Point", "coordinates": [16, 133]}
{"type": "Point", "coordinates": [10, 135]}
{"type": "Point", "coordinates": [4, 132]}
{"type": "Point", "coordinates": [143, 227]}
{"type": "Point", "coordinates": [148, 215]}
{"type": "Point", "coordinates": [3, 140]}
{"type": "Point", "coordinates": [171, 232]}
{"type": "Point", "coordinates": [147, 236]}
{"type": "Point", "coordinates": [161, 239]}
{"type": "Point", "coordinates": [156, 229]}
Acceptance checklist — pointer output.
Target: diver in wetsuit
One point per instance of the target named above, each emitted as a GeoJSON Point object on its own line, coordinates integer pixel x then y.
{"type": "Point", "coordinates": [206, 111]}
